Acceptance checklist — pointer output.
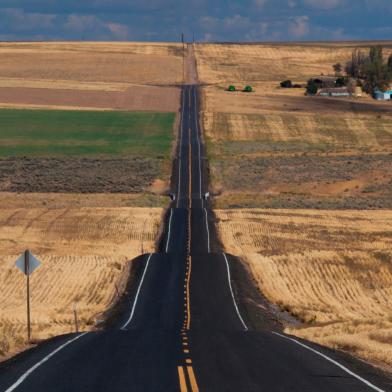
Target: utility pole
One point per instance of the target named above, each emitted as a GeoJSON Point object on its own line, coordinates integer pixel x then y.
{"type": "Point", "coordinates": [183, 57]}
{"type": "Point", "coordinates": [76, 318]}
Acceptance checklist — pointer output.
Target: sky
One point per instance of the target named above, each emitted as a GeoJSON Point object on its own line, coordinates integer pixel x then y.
{"type": "Point", "coordinates": [209, 20]}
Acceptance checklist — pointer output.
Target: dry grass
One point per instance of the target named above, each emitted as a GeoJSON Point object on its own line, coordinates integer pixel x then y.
{"type": "Point", "coordinates": [84, 253]}
{"type": "Point", "coordinates": [106, 65]}
{"type": "Point", "coordinates": [332, 270]}
{"type": "Point", "coordinates": [264, 62]}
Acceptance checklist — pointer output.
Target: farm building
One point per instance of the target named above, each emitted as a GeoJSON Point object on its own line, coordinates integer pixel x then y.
{"type": "Point", "coordinates": [382, 96]}
{"type": "Point", "coordinates": [334, 92]}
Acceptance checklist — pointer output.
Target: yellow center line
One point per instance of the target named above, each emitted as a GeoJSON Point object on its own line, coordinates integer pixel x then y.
{"type": "Point", "coordinates": [190, 170]}
{"type": "Point", "coordinates": [181, 377]}
{"type": "Point", "coordinates": [192, 379]}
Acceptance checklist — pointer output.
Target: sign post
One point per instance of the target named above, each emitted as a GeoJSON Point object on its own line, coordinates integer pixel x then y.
{"type": "Point", "coordinates": [27, 263]}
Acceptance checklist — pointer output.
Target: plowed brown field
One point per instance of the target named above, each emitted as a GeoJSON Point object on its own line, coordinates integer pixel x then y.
{"type": "Point", "coordinates": [330, 269]}
{"type": "Point", "coordinates": [85, 254]}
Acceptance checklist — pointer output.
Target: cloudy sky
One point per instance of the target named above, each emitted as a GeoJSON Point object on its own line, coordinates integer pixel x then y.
{"type": "Point", "coordinates": [210, 20]}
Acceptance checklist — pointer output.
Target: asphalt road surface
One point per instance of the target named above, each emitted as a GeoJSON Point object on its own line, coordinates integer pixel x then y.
{"type": "Point", "coordinates": [181, 327]}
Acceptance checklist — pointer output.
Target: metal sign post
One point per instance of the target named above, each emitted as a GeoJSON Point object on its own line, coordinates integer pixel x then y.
{"type": "Point", "coordinates": [27, 268]}
{"type": "Point", "coordinates": [27, 263]}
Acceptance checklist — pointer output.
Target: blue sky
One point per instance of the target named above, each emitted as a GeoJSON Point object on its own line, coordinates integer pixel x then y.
{"type": "Point", "coordinates": [211, 20]}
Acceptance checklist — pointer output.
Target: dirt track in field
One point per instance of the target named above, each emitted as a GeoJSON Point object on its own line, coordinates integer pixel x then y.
{"type": "Point", "coordinates": [162, 99]}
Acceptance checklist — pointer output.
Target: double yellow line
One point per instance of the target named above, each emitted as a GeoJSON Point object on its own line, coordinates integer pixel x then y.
{"type": "Point", "coordinates": [186, 373]}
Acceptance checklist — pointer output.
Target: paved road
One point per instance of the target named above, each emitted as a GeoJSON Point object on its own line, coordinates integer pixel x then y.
{"type": "Point", "coordinates": [181, 328]}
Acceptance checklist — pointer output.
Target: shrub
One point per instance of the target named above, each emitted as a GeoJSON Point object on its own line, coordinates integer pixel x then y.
{"type": "Point", "coordinates": [286, 84]}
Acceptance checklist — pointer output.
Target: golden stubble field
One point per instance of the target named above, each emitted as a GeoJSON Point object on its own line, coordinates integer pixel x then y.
{"type": "Point", "coordinates": [88, 75]}
{"type": "Point", "coordinates": [330, 269]}
{"type": "Point", "coordinates": [244, 129]}
{"type": "Point", "coordinates": [85, 244]}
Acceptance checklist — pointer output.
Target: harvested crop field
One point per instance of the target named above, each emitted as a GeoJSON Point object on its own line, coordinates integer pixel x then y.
{"type": "Point", "coordinates": [277, 148]}
{"type": "Point", "coordinates": [85, 75]}
{"type": "Point", "coordinates": [225, 63]}
{"type": "Point", "coordinates": [330, 269]}
{"type": "Point", "coordinates": [84, 252]}
{"type": "Point", "coordinates": [96, 62]}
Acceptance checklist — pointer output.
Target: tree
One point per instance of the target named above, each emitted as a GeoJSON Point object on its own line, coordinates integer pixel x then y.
{"type": "Point", "coordinates": [341, 82]}
{"type": "Point", "coordinates": [376, 73]}
{"type": "Point", "coordinates": [352, 86]}
{"type": "Point", "coordinates": [286, 84]}
{"type": "Point", "coordinates": [354, 66]}
{"type": "Point", "coordinates": [390, 63]}
{"type": "Point", "coordinates": [370, 70]}
{"type": "Point", "coordinates": [338, 69]}
{"type": "Point", "coordinates": [311, 87]}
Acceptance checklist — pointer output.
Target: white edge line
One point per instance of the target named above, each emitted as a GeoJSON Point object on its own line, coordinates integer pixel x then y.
{"type": "Point", "coordinates": [232, 294]}
{"type": "Point", "coordinates": [198, 140]}
{"type": "Point", "coordinates": [369, 384]}
{"type": "Point", "coordinates": [169, 232]}
{"type": "Point", "coordinates": [137, 294]}
{"type": "Point", "coordinates": [41, 362]}
{"type": "Point", "coordinates": [179, 152]}
{"type": "Point", "coordinates": [208, 231]}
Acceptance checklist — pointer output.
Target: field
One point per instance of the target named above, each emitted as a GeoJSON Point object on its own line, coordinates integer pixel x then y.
{"type": "Point", "coordinates": [330, 269]}
{"type": "Point", "coordinates": [297, 182]}
{"type": "Point", "coordinates": [85, 244]}
{"type": "Point", "coordinates": [84, 151]}
{"type": "Point", "coordinates": [86, 75]}
{"type": "Point", "coordinates": [86, 135]}
{"type": "Point", "coordinates": [246, 132]}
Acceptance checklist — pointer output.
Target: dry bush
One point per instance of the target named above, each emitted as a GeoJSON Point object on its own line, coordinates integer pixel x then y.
{"type": "Point", "coordinates": [332, 270]}
{"type": "Point", "coordinates": [84, 253]}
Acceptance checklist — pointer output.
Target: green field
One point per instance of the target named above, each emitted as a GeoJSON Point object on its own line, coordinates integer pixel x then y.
{"type": "Point", "coordinates": [84, 133]}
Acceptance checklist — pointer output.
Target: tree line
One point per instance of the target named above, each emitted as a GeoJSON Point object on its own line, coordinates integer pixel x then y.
{"type": "Point", "coordinates": [371, 71]}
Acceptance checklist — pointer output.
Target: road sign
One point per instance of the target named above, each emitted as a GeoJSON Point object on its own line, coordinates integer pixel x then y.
{"type": "Point", "coordinates": [27, 264]}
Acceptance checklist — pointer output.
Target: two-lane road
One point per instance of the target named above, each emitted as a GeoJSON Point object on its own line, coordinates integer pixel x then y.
{"type": "Point", "coordinates": [183, 329]}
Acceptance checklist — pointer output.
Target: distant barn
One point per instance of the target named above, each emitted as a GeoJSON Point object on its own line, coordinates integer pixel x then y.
{"type": "Point", "coordinates": [334, 92]}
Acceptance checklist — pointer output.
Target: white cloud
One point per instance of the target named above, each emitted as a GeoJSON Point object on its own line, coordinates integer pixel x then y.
{"type": "Point", "coordinates": [324, 4]}
{"type": "Point", "coordinates": [80, 23]}
{"type": "Point", "coordinates": [259, 3]}
{"type": "Point", "coordinates": [21, 20]}
{"type": "Point", "coordinates": [299, 26]}
{"type": "Point", "coordinates": [119, 31]}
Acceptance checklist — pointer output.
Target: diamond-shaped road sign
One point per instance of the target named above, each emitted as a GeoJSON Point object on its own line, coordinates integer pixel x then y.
{"type": "Point", "coordinates": [27, 266]}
